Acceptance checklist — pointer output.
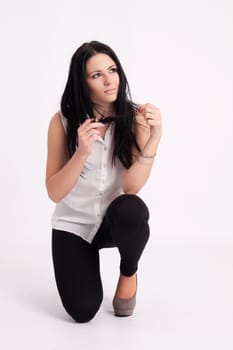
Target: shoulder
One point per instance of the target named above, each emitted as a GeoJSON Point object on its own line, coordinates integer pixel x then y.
{"type": "Point", "coordinates": [55, 120]}
{"type": "Point", "coordinates": [56, 133]}
{"type": "Point", "coordinates": [57, 144]}
{"type": "Point", "coordinates": [56, 124]}
{"type": "Point", "coordinates": [57, 150]}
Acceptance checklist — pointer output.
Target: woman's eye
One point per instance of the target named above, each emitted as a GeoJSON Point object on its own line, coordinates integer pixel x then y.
{"type": "Point", "coordinates": [113, 70]}
{"type": "Point", "coordinates": [96, 75]}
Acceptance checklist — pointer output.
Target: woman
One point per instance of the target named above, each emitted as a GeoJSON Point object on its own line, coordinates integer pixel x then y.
{"type": "Point", "coordinates": [101, 147]}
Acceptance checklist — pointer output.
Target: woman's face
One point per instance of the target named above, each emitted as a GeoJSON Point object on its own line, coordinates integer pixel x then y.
{"type": "Point", "coordinates": [102, 79]}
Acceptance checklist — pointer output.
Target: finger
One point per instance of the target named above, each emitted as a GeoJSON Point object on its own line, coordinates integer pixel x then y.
{"type": "Point", "coordinates": [139, 107]}
{"type": "Point", "coordinates": [151, 122]}
{"type": "Point", "coordinates": [145, 110]}
{"type": "Point", "coordinates": [89, 125]}
{"type": "Point", "coordinates": [84, 125]}
{"type": "Point", "coordinates": [148, 114]}
{"type": "Point", "coordinates": [92, 131]}
{"type": "Point", "coordinates": [143, 106]}
{"type": "Point", "coordinates": [87, 133]}
{"type": "Point", "coordinates": [96, 125]}
{"type": "Point", "coordinates": [149, 107]}
{"type": "Point", "coordinates": [93, 127]}
{"type": "Point", "coordinates": [87, 122]}
{"type": "Point", "coordinates": [93, 137]}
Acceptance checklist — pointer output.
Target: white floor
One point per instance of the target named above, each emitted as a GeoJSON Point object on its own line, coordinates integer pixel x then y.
{"type": "Point", "coordinates": [185, 300]}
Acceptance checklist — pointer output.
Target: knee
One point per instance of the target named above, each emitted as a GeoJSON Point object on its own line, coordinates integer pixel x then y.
{"type": "Point", "coordinates": [128, 207]}
{"type": "Point", "coordinates": [81, 313]}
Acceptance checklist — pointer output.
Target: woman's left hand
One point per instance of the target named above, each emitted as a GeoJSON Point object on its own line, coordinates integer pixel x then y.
{"type": "Point", "coordinates": [152, 116]}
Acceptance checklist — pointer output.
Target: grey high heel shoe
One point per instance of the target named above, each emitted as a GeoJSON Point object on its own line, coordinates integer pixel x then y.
{"type": "Point", "coordinates": [124, 307]}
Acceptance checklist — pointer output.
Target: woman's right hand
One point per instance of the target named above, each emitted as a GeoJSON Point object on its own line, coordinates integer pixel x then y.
{"type": "Point", "coordinates": [87, 134]}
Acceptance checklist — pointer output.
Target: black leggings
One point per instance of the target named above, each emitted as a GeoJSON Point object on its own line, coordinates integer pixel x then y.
{"type": "Point", "coordinates": [76, 262]}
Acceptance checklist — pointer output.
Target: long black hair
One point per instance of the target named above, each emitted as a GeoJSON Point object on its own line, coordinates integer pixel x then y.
{"type": "Point", "coordinates": [76, 103]}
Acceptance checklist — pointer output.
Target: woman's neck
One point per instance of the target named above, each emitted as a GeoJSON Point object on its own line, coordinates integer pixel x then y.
{"type": "Point", "coordinates": [103, 111]}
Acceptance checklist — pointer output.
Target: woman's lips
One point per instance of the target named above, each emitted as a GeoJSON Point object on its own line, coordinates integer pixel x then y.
{"type": "Point", "coordinates": [110, 91]}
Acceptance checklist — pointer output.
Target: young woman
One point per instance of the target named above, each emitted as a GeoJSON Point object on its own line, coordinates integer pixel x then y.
{"type": "Point", "coordinates": [101, 148]}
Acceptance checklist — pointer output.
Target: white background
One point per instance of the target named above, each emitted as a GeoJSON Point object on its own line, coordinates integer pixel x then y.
{"type": "Point", "coordinates": [177, 55]}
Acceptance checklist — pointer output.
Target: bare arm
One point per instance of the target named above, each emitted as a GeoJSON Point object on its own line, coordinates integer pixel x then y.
{"type": "Point", "coordinates": [61, 172]}
{"type": "Point", "coordinates": [148, 134]}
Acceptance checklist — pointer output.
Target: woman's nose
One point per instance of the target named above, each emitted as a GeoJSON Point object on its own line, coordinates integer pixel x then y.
{"type": "Point", "coordinates": [107, 80]}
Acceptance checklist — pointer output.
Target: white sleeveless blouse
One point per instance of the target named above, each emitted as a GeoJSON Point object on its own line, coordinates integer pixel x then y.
{"type": "Point", "coordinates": [82, 210]}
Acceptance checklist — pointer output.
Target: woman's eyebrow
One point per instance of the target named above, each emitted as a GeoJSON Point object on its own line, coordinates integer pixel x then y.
{"type": "Point", "coordinates": [99, 70]}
